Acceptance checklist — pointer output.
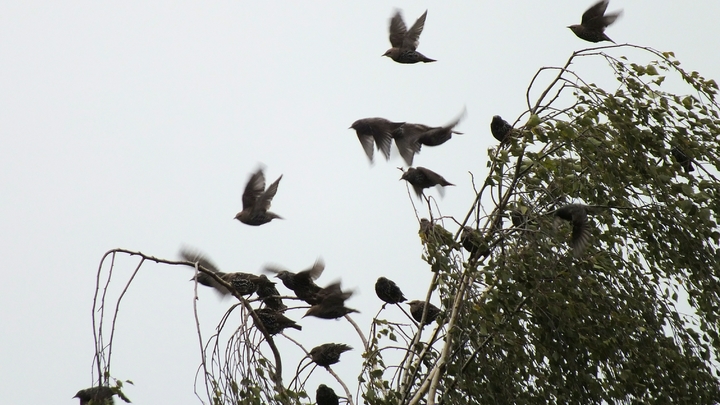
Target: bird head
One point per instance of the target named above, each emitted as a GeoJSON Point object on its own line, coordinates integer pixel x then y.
{"type": "Point", "coordinates": [391, 53]}
{"type": "Point", "coordinates": [576, 28]}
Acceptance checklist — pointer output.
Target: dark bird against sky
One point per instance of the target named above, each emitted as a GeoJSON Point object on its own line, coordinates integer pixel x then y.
{"type": "Point", "coordinates": [375, 132]}
{"type": "Point", "coordinates": [500, 129]}
{"type": "Point", "coordinates": [404, 43]}
{"type": "Point", "coordinates": [325, 396]}
{"type": "Point", "coordinates": [594, 22]}
{"type": "Point", "coordinates": [303, 282]}
{"type": "Point", "coordinates": [388, 291]}
{"type": "Point", "coordinates": [417, 308]}
{"type": "Point", "coordinates": [328, 353]}
{"type": "Point", "coordinates": [421, 178]}
{"type": "Point", "coordinates": [256, 200]}
{"type": "Point", "coordinates": [410, 138]}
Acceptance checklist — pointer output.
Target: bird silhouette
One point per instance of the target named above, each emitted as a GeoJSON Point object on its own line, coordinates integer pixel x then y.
{"type": "Point", "coordinates": [256, 200]}
{"type": "Point", "coordinates": [417, 308]}
{"type": "Point", "coordinates": [410, 138]}
{"type": "Point", "coordinates": [330, 303]}
{"type": "Point", "coordinates": [328, 353]}
{"type": "Point", "coordinates": [275, 322]}
{"type": "Point", "coordinates": [682, 159]}
{"type": "Point", "coordinates": [301, 283]}
{"type": "Point", "coordinates": [594, 22]}
{"type": "Point", "coordinates": [404, 43]}
{"type": "Point", "coordinates": [242, 283]}
{"type": "Point", "coordinates": [325, 396]}
{"type": "Point", "coordinates": [473, 241]}
{"type": "Point", "coordinates": [97, 395]}
{"type": "Point", "coordinates": [388, 291]}
{"type": "Point", "coordinates": [421, 178]}
{"type": "Point", "coordinates": [500, 129]}
{"type": "Point", "coordinates": [375, 132]}
{"type": "Point", "coordinates": [576, 214]}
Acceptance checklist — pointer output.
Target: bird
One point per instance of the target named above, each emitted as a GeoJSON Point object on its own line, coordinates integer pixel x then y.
{"type": "Point", "coordinates": [270, 296]}
{"type": "Point", "coordinates": [473, 241]}
{"type": "Point", "coordinates": [375, 131]}
{"type": "Point", "coordinates": [330, 303]}
{"type": "Point", "coordinates": [410, 138]}
{"type": "Point", "coordinates": [301, 283]}
{"type": "Point", "coordinates": [325, 396]}
{"type": "Point", "coordinates": [256, 200]}
{"type": "Point", "coordinates": [388, 291]}
{"type": "Point", "coordinates": [435, 234]}
{"type": "Point", "coordinates": [417, 308]}
{"type": "Point", "coordinates": [98, 395]}
{"type": "Point", "coordinates": [594, 22]}
{"type": "Point", "coordinates": [328, 353]}
{"type": "Point", "coordinates": [274, 322]}
{"type": "Point", "coordinates": [421, 178]}
{"type": "Point", "coordinates": [517, 217]}
{"type": "Point", "coordinates": [682, 159]}
{"type": "Point", "coordinates": [242, 283]}
{"type": "Point", "coordinates": [404, 43]}
{"type": "Point", "coordinates": [500, 129]}
{"type": "Point", "coordinates": [577, 215]}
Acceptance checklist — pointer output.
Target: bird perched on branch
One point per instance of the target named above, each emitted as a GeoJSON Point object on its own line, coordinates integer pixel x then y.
{"type": "Point", "coordinates": [375, 132]}
{"type": "Point", "coordinates": [410, 138]}
{"type": "Point", "coordinates": [101, 395]}
{"type": "Point", "coordinates": [242, 283]}
{"type": "Point", "coordinates": [328, 353]}
{"type": "Point", "coordinates": [682, 159]}
{"type": "Point", "coordinates": [473, 241]}
{"type": "Point", "coordinates": [594, 22]}
{"type": "Point", "coordinates": [576, 214]}
{"type": "Point", "coordinates": [270, 296]}
{"type": "Point", "coordinates": [404, 43]}
{"type": "Point", "coordinates": [388, 291]}
{"type": "Point", "coordinates": [330, 303]}
{"type": "Point", "coordinates": [256, 200]}
{"type": "Point", "coordinates": [301, 283]}
{"type": "Point", "coordinates": [274, 322]}
{"type": "Point", "coordinates": [500, 129]}
{"type": "Point", "coordinates": [325, 396]}
{"type": "Point", "coordinates": [417, 308]}
{"type": "Point", "coordinates": [421, 178]}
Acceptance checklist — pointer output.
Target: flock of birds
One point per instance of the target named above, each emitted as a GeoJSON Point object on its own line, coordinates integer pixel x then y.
{"type": "Point", "coordinates": [329, 302]}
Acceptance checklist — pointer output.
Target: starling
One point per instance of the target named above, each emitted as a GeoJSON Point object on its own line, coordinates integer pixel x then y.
{"type": "Point", "coordinates": [417, 308]}
{"type": "Point", "coordinates": [270, 295]}
{"type": "Point", "coordinates": [256, 200]}
{"type": "Point", "coordinates": [500, 129]}
{"type": "Point", "coordinates": [473, 241]}
{"type": "Point", "coordinates": [422, 178]}
{"type": "Point", "coordinates": [242, 283]}
{"type": "Point", "coordinates": [682, 159]}
{"type": "Point", "coordinates": [330, 303]}
{"type": "Point", "coordinates": [577, 214]}
{"type": "Point", "coordinates": [301, 283]}
{"type": "Point", "coordinates": [435, 234]}
{"type": "Point", "coordinates": [376, 131]}
{"type": "Point", "coordinates": [96, 396]}
{"type": "Point", "coordinates": [409, 138]}
{"type": "Point", "coordinates": [404, 43]}
{"type": "Point", "coordinates": [594, 22]}
{"type": "Point", "coordinates": [388, 291]}
{"type": "Point", "coordinates": [274, 322]}
{"type": "Point", "coordinates": [325, 396]}
{"type": "Point", "coordinates": [517, 218]}
{"type": "Point", "coordinates": [327, 354]}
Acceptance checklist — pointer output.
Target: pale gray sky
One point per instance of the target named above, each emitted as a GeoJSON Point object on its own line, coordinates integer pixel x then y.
{"type": "Point", "coordinates": [136, 125]}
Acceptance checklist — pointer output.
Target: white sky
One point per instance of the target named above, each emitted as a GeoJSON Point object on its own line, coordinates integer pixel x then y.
{"type": "Point", "coordinates": [136, 125]}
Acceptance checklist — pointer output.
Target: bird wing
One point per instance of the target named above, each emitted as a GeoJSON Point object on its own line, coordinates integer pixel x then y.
{"type": "Point", "coordinates": [406, 140]}
{"type": "Point", "coordinates": [596, 11]}
{"type": "Point", "coordinates": [201, 259]}
{"type": "Point", "coordinates": [264, 200]}
{"type": "Point", "coordinates": [580, 232]}
{"type": "Point", "coordinates": [412, 38]}
{"type": "Point", "coordinates": [434, 177]}
{"type": "Point", "coordinates": [316, 270]}
{"type": "Point", "coordinates": [254, 188]}
{"type": "Point", "coordinates": [397, 30]}
{"type": "Point", "coordinates": [368, 144]}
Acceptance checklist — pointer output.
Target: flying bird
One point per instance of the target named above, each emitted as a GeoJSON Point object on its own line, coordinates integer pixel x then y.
{"type": "Point", "coordinates": [500, 129]}
{"type": "Point", "coordinates": [404, 43]}
{"type": "Point", "coordinates": [682, 159]}
{"type": "Point", "coordinates": [242, 283]}
{"type": "Point", "coordinates": [388, 291]}
{"type": "Point", "coordinates": [410, 138]}
{"type": "Point", "coordinates": [577, 215]}
{"type": "Point", "coordinates": [417, 308]}
{"type": "Point", "coordinates": [256, 200]}
{"type": "Point", "coordinates": [594, 22]}
{"type": "Point", "coordinates": [375, 132]}
{"type": "Point", "coordinates": [421, 178]}
{"type": "Point", "coordinates": [301, 283]}
{"type": "Point", "coordinates": [274, 322]}
{"type": "Point", "coordinates": [328, 353]}
{"type": "Point", "coordinates": [330, 303]}
{"type": "Point", "coordinates": [325, 396]}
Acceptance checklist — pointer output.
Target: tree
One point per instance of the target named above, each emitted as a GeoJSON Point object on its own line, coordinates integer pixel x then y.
{"type": "Point", "coordinates": [631, 318]}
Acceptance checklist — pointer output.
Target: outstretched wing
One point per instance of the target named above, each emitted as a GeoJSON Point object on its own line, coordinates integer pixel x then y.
{"type": "Point", "coordinates": [412, 38]}
{"type": "Point", "coordinates": [254, 189]}
{"type": "Point", "coordinates": [397, 30]}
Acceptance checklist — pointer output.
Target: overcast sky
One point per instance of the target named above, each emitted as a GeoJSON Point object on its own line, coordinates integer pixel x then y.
{"type": "Point", "coordinates": [136, 124]}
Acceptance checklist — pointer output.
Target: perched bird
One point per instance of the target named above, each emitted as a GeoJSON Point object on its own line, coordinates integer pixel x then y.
{"type": "Point", "coordinates": [301, 283]}
{"type": "Point", "coordinates": [577, 215]}
{"type": "Point", "coordinates": [388, 291]}
{"type": "Point", "coordinates": [500, 129]}
{"type": "Point", "coordinates": [274, 322]}
{"type": "Point", "coordinates": [375, 131]}
{"type": "Point", "coordinates": [256, 200]}
{"type": "Point", "coordinates": [594, 22]}
{"type": "Point", "coordinates": [404, 43]}
{"type": "Point", "coordinates": [242, 283]}
{"type": "Point", "coordinates": [473, 241]}
{"type": "Point", "coordinates": [417, 308]}
{"type": "Point", "coordinates": [517, 218]}
{"type": "Point", "coordinates": [421, 178]}
{"type": "Point", "coordinates": [328, 353]}
{"type": "Point", "coordinates": [330, 303]}
{"type": "Point", "coordinates": [270, 296]}
{"type": "Point", "coordinates": [410, 138]}
{"type": "Point", "coordinates": [98, 395]}
{"type": "Point", "coordinates": [682, 159]}
{"type": "Point", "coordinates": [325, 396]}
{"type": "Point", "coordinates": [435, 234]}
